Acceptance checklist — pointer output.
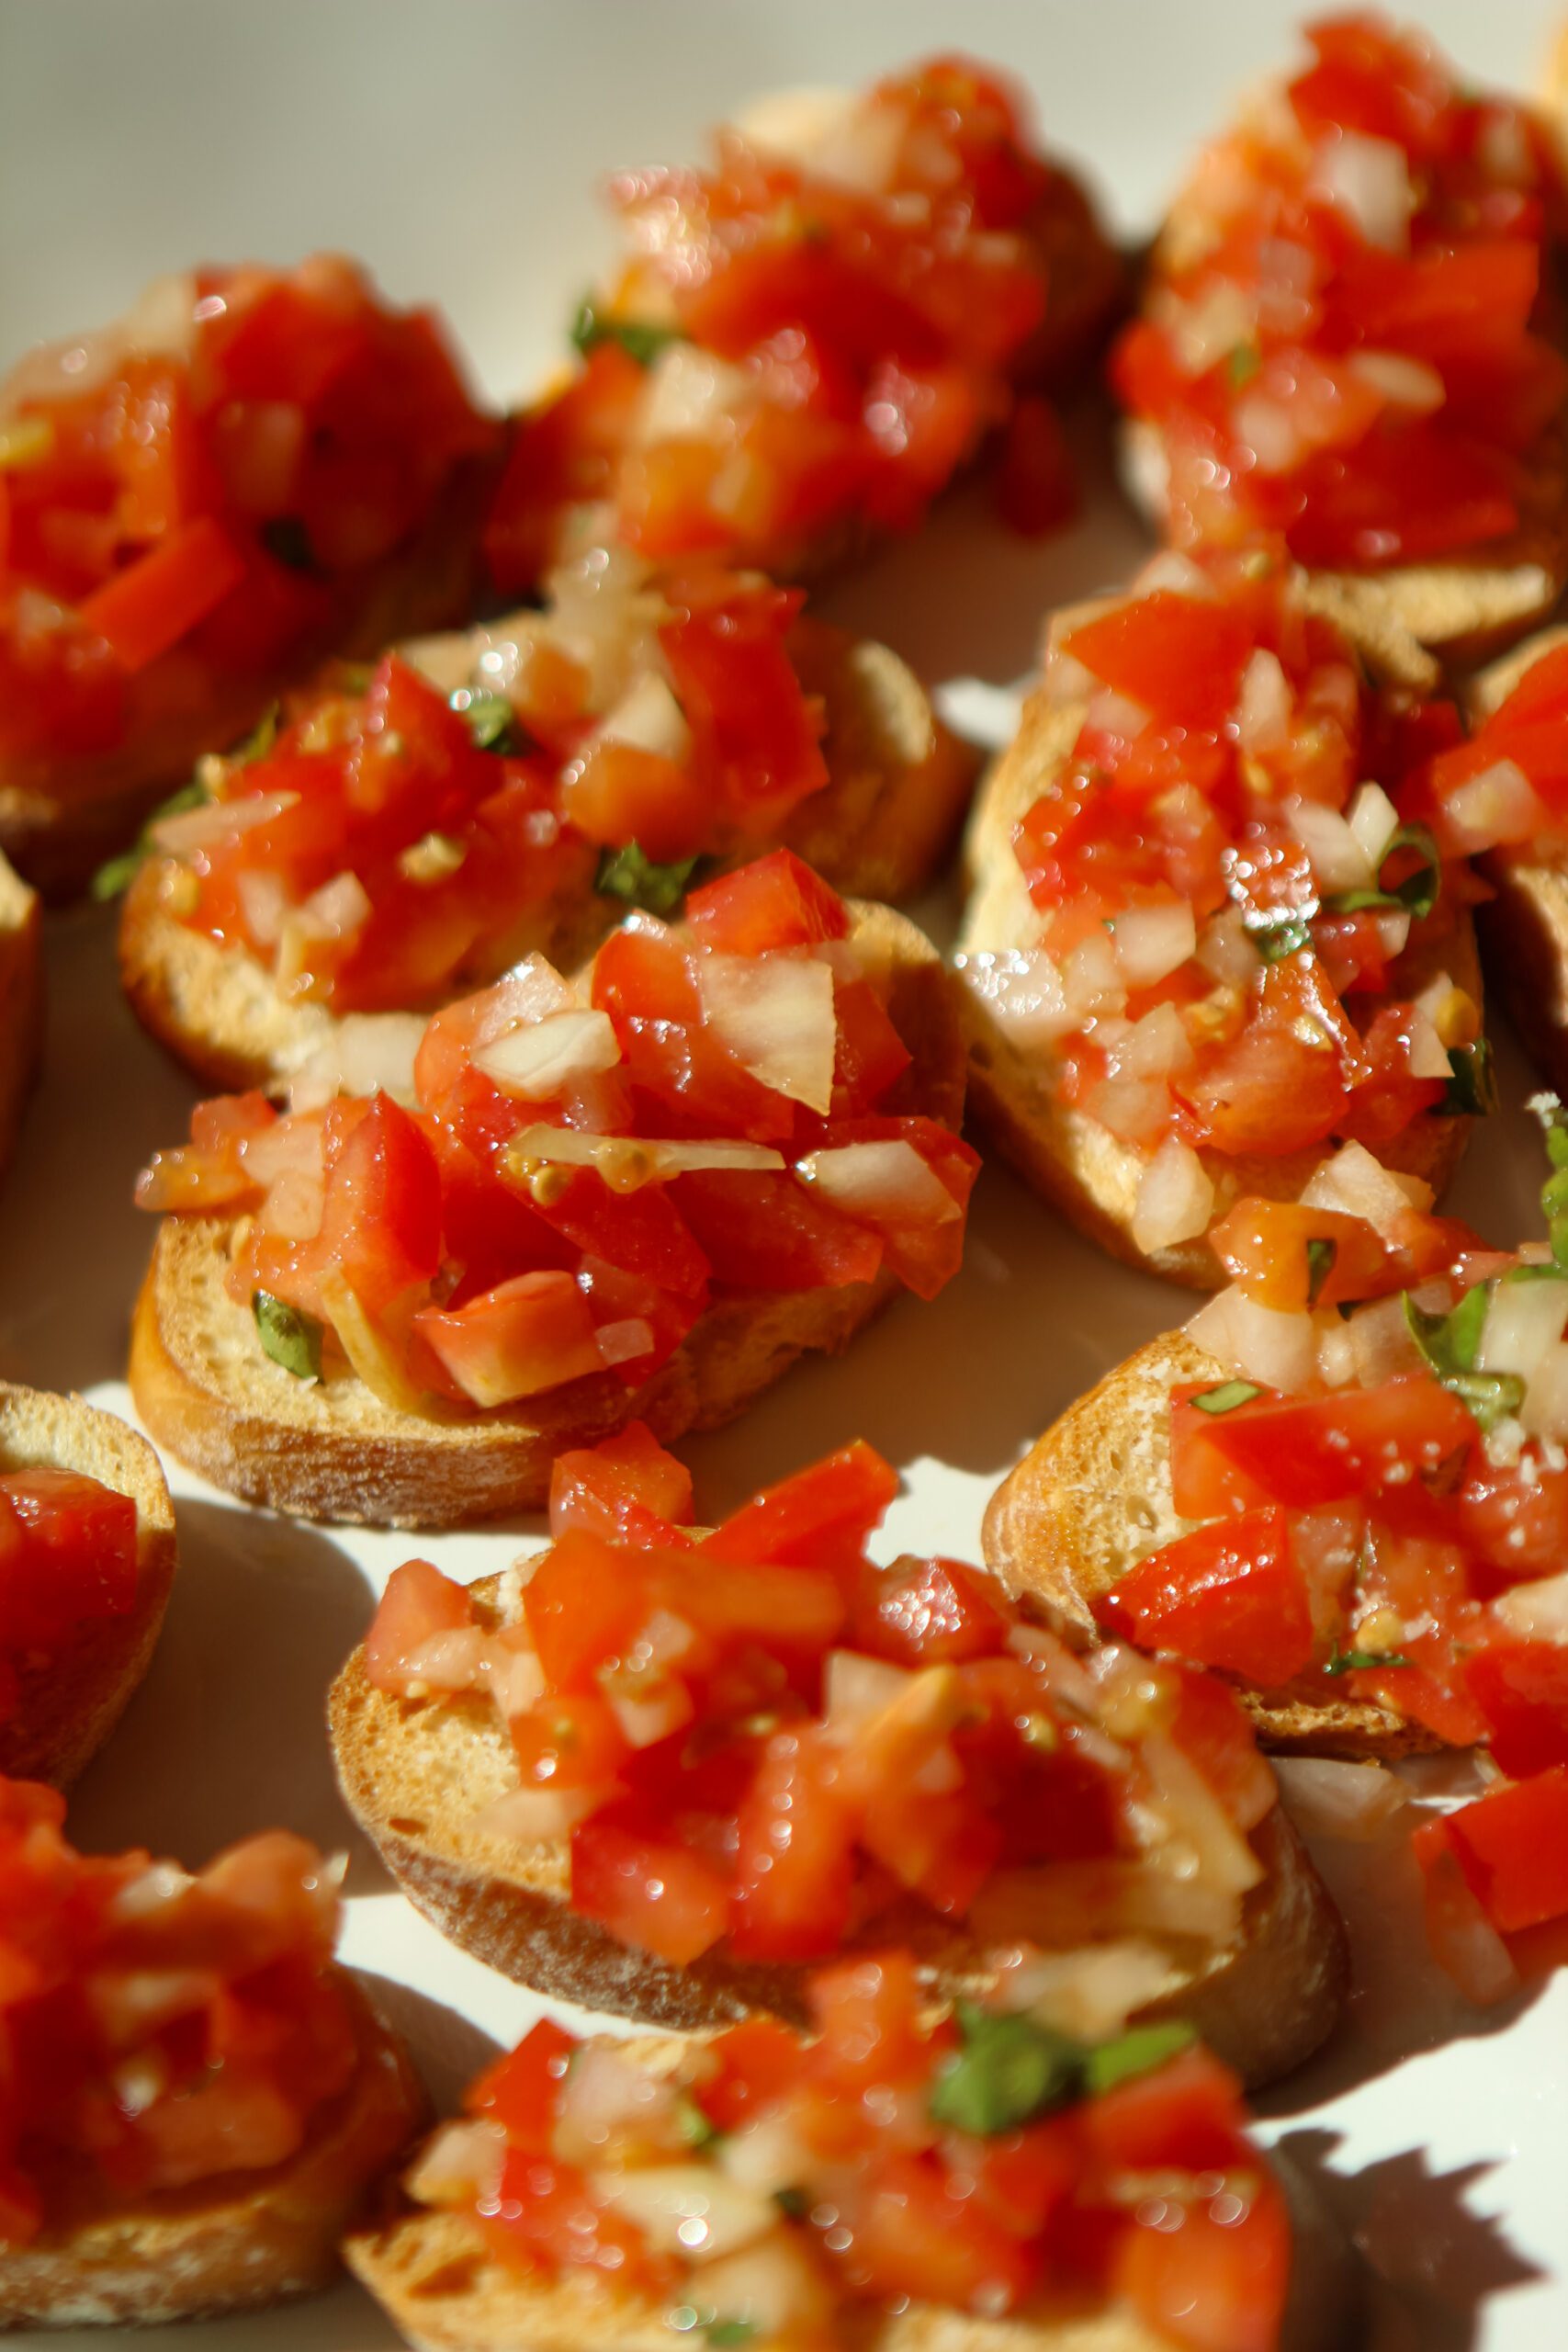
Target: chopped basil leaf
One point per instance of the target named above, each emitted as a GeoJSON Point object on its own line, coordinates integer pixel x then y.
{"type": "Point", "coordinates": [1226, 1397]}
{"type": "Point", "coordinates": [1009, 2070]}
{"type": "Point", "coordinates": [1418, 894]}
{"type": "Point", "coordinates": [1554, 1192]}
{"type": "Point", "coordinates": [261, 739]}
{"type": "Point", "coordinates": [1277, 932]}
{"type": "Point", "coordinates": [1345, 1308]}
{"type": "Point", "coordinates": [1138, 2052]}
{"type": "Point", "coordinates": [639, 339]}
{"type": "Point", "coordinates": [286, 538]}
{"type": "Point", "coordinates": [1243, 363]}
{"type": "Point", "coordinates": [119, 872]}
{"type": "Point", "coordinates": [1362, 1661]}
{"type": "Point", "coordinates": [629, 874]}
{"type": "Point", "coordinates": [289, 1338]}
{"type": "Point", "coordinates": [1472, 1091]}
{"type": "Point", "coordinates": [1551, 1274]}
{"type": "Point", "coordinates": [1449, 1342]}
{"type": "Point", "coordinates": [693, 2124]}
{"type": "Point", "coordinates": [1320, 1266]}
{"type": "Point", "coordinates": [793, 2201]}
{"type": "Point", "coordinates": [489, 718]}
{"type": "Point", "coordinates": [730, 2331]}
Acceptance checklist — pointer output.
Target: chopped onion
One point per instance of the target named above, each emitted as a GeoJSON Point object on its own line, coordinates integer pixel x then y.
{"type": "Point", "coordinates": [1090, 1995]}
{"type": "Point", "coordinates": [1176, 1198]}
{"type": "Point", "coordinates": [687, 395]}
{"type": "Point", "coordinates": [1427, 1055]}
{"type": "Point", "coordinates": [1535, 1611]}
{"type": "Point", "coordinates": [1374, 821]}
{"type": "Point", "coordinates": [1352, 1182]}
{"type": "Point", "coordinates": [458, 2163]}
{"type": "Point", "coordinates": [1206, 330]}
{"type": "Point", "coordinates": [1225, 949]}
{"type": "Point", "coordinates": [1176, 574]}
{"type": "Point", "coordinates": [647, 1717]}
{"type": "Point", "coordinates": [625, 1341]}
{"type": "Point", "coordinates": [761, 2155]}
{"type": "Point", "coordinates": [856, 1690]}
{"type": "Point", "coordinates": [369, 1352]}
{"type": "Point", "coordinates": [1330, 1798]}
{"type": "Point", "coordinates": [1499, 805]}
{"type": "Point", "coordinates": [1133, 1108]}
{"type": "Point", "coordinates": [775, 2289]}
{"type": "Point", "coordinates": [1368, 180]}
{"type": "Point", "coordinates": [1063, 1905]}
{"type": "Point", "coordinates": [1092, 979]}
{"type": "Point", "coordinates": [1155, 1047]}
{"type": "Point", "coordinates": [452, 1660]}
{"type": "Point", "coordinates": [627, 1161]}
{"type": "Point", "coordinates": [1152, 942]}
{"type": "Point", "coordinates": [538, 1817]}
{"type": "Point", "coordinates": [692, 2209]}
{"type": "Point", "coordinates": [1269, 431]}
{"type": "Point", "coordinates": [795, 122]}
{"type": "Point", "coordinates": [1112, 714]}
{"type": "Point", "coordinates": [540, 1062]}
{"type": "Point", "coordinates": [1200, 1832]}
{"type": "Point", "coordinates": [340, 908]}
{"type": "Point", "coordinates": [1067, 680]}
{"type": "Point", "coordinates": [264, 902]}
{"type": "Point", "coordinates": [1022, 986]}
{"type": "Point", "coordinates": [883, 1183]}
{"type": "Point", "coordinates": [1524, 1324]}
{"type": "Point", "coordinates": [1465, 1942]}
{"type": "Point", "coordinates": [191, 830]}
{"type": "Point", "coordinates": [606, 2097]}
{"type": "Point", "coordinates": [1405, 382]}
{"type": "Point", "coordinates": [1277, 1350]}
{"type": "Point", "coordinates": [1263, 710]}
{"type": "Point", "coordinates": [364, 1052]}
{"type": "Point", "coordinates": [776, 1014]}
{"type": "Point", "coordinates": [1394, 937]}
{"type": "Point", "coordinates": [649, 718]}
{"type": "Point", "coordinates": [1339, 860]}
{"type": "Point", "coordinates": [1381, 1339]}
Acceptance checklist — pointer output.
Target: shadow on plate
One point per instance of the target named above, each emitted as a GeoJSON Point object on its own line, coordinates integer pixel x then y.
{"type": "Point", "coordinates": [446, 2049]}
{"type": "Point", "coordinates": [228, 1733]}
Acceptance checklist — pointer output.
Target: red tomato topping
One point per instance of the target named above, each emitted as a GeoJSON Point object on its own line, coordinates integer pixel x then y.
{"type": "Point", "coordinates": [1350, 340]}
{"type": "Point", "coordinates": [214, 1994]}
{"type": "Point", "coordinates": [1512, 1846]}
{"type": "Point", "coordinates": [1229, 1595]}
{"type": "Point", "coordinates": [207, 505]}
{"type": "Point", "coordinates": [67, 1561]}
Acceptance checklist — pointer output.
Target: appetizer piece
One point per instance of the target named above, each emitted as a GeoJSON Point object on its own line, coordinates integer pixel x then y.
{"type": "Point", "coordinates": [195, 2102]}
{"type": "Point", "coordinates": [1351, 334]}
{"type": "Point", "coordinates": [21, 1003]}
{"type": "Point", "coordinates": [86, 1561]}
{"type": "Point", "coordinates": [1202, 943]}
{"type": "Point", "coordinates": [253, 470]}
{"type": "Point", "coordinates": [1342, 1486]}
{"type": "Point", "coordinates": [971, 2179]}
{"type": "Point", "coordinates": [815, 334]}
{"type": "Point", "coordinates": [658, 1771]}
{"type": "Point", "coordinates": [403, 840]}
{"type": "Point", "coordinates": [646, 1193]}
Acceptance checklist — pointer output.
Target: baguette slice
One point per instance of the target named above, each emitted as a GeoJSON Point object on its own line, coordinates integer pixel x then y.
{"type": "Point", "coordinates": [414, 1774]}
{"type": "Point", "coordinates": [21, 1002]}
{"type": "Point", "coordinates": [1524, 928]}
{"type": "Point", "coordinates": [898, 784]}
{"type": "Point", "coordinates": [434, 2276]}
{"type": "Point", "coordinates": [237, 2244]}
{"type": "Point", "coordinates": [69, 1703]}
{"type": "Point", "coordinates": [1092, 1497]}
{"type": "Point", "coordinates": [1066, 1155]}
{"type": "Point", "coordinates": [331, 1450]}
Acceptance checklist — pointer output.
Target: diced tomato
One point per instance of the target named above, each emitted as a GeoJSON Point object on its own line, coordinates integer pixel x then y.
{"type": "Point", "coordinates": [1211, 1728]}
{"type": "Point", "coordinates": [1513, 1847]}
{"type": "Point", "coordinates": [528, 1335]}
{"type": "Point", "coordinates": [1204, 1482]}
{"type": "Point", "coordinates": [1229, 1595]}
{"type": "Point", "coordinates": [1283, 1083]}
{"type": "Point", "coordinates": [756, 735]}
{"type": "Point", "coordinates": [617, 793]}
{"type": "Point", "coordinates": [569, 1740]}
{"type": "Point", "coordinates": [764, 1232]}
{"type": "Point", "coordinates": [654, 1895]}
{"type": "Point", "coordinates": [776, 902]}
{"type": "Point", "coordinates": [1515, 1517]}
{"type": "Point", "coordinates": [925, 1612]}
{"type": "Point", "coordinates": [794, 1860]}
{"type": "Point", "coordinates": [867, 2016]}
{"type": "Point", "coordinates": [583, 1606]}
{"type": "Point", "coordinates": [1264, 1246]}
{"type": "Point", "coordinates": [1208, 2276]}
{"type": "Point", "coordinates": [1304, 1451]}
{"type": "Point", "coordinates": [418, 1604]}
{"type": "Point", "coordinates": [1176, 656]}
{"type": "Point", "coordinates": [1522, 1688]}
{"type": "Point", "coordinates": [759, 2061]}
{"type": "Point", "coordinates": [148, 607]}
{"type": "Point", "coordinates": [382, 1224]}
{"type": "Point", "coordinates": [545, 2217]}
{"type": "Point", "coordinates": [914, 2235]}
{"type": "Point", "coordinates": [815, 1517]}
{"type": "Point", "coordinates": [522, 2091]}
{"type": "Point", "coordinates": [627, 1489]}
{"type": "Point", "coordinates": [68, 1554]}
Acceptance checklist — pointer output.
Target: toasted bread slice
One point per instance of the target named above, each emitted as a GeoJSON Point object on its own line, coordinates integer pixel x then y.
{"type": "Point", "coordinates": [60, 818]}
{"type": "Point", "coordinates": [1079, 1165]}
{"type": "Point", "coordinates": [1092, 1497]}
{"type": "Point", "coordinates": [21, 1002]}
{"type": "Point", "coordinates": [69, 1702]}
{"type": "Point", "coordinates": [238, 2243]}
{"type": "Point", "coordinates": [898, 784]}
{"type": "Point", "coordinates": [1524, 928]}
{"type": "Point", "coordinates": [333, 1450]}
{"type": "Point", "coordinates": [415, 1773]}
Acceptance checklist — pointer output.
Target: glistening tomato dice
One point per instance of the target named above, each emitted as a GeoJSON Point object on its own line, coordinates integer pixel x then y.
{"type": "Point", "coordinates": [1229, 1595]}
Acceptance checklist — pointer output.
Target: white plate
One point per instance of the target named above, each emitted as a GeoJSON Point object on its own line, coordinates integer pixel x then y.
{"type": "Point", "coordinates": [456, 147]}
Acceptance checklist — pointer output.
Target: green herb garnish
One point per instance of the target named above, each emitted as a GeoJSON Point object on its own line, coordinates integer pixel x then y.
{"type": "Point", "coordinates": [639, 339]}
{"type": "Point", "coordinates": [1321, 1256]}
{"type": "Point", "coordinates": [1548, 1274]}
{"type": "Point", "coordinates": [730, 2331]}
{"type": "Point", "coordinates": [1226, 1397]}
{"type": "Point", "coordinates": [793, 2201]}
{"type": "Point", "coordinates": [1138, 2052]}
{"type": "Point", "coordinates": [119, 872]}
{"type": "Point", "coordinates": [1472, 1091]}
{"type": "Point", "coordinates": [1449, 1345]}
{"type": "Point", "coordinates": [291, 1339]}
{"type": "Point", "coordinates": [693, 2124]}
{"type": "Point", "coordinates": [1362, 1661]}
{"type": "Point", "coordinates": [1277, 932]}
{"type": "Point", "coordinates": [629, 874]}
{"type": "Point", "coordinates": [1419, 891]}
{"type": "Point", "coordinates": [1242, 364]}
{"type": "Point", "coordinates": [489, 718]}
{"type": "Point", "coordinates": [1554, 1191]}
{"type": "Point", "coordinates": [1009, 2070]}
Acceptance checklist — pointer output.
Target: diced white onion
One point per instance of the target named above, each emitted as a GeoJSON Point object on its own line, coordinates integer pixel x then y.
{"type": "Point", "coordinates": [540, 1062]}
{"type": "Point", "coordinates": [1133, 1108]}
{"type": "Point", "coordinates": [1339, 860]}
{"type": "Point", "coordinates": [624, 1341]}
{"type": "Point", "coordinates": [1200, 1829]}
{"type": "Point", "coordinates": [1428, 1054]}
{"type": "Point", "coordinates": [1269, 431]}
{"type": "Point", "coordinates": [692, 2209]}
{"type": "Point", "coordinates": [794, 122]}
{"type": "Point", "coordinates": [1275, 1349]}
{"type": "Point", "coordinates": [1225, 950]}
{"type": "Point", "coordinates": [1176, 574]}
{"type": "Point", "coordinates": [649, 718]}
{"type": "Point", "coordinates": [1368, 180]}
{"type": "Point", "coordinates": [190, 831]}
{"type": "Point", "coordinates": [1374, 821]}
{"type": "Point", "coordinates": [264, 902]}
{"type": "Point", "coordinates": [1352, 1181]}
{"type": "Point", "coordinates": [1022, 988]}
{"type": "Point", "coordinates": [450, 1660]}
{"type": "Point", "coordinates": [776, 1014]}
{"type": "Point", "coordinates": [1155, 1047]}
{"type": "Point", "coordinates": [1524, 1324]}
{"type": "Point", "coordinates": [1220, 319]}
{"type": "Point", "coordinates": [1331, 1799]}
{"type": "Point", "coordinates": [1263, 710]}
{"type": "Point", "coordinates": [1091, 976]}
{"type": "Point", "coordinates": [1152, 942]}
{"type": "Point", "coordinates": [1113, 714]}
{"type": "Point", "coordinates": [625, 1161]}
{"type": "Point", "coordinates": [1537, 1611]}
{"type": "Point", "coordinates": [606, 2095]}
{"type": "Point", "coordinates": [884, 1183]}
{"type": "Point", "coordinates": [1406, 383]}
{"type": "Point", "coordinates": [1497, 806]}
{"type": "Point", "coordinates": [1176, 1198]}
{"type": "Point", "coordinates": [537, 1816]}
{"type": "Point", "coordinates": [1381, 1341]}
{"type": "Point", "coordinates": [1394, 937]}
{"type": "Point", "coordinates": [1067, 680]}
{"type": "Point", "coordinates": [775, 2288]}
{"type": "Point", "coordinates": [761, 2155]}
{"type": "Point", "coordinates": [366, 1053]}
{"type": "Point", "coordinates": [458, 2162]}
{"type": "Point", "coordinates": [855, 1691]}
{"type": "Point", "coordinates": [1090, 1995]}
{"type": "Point", "coordinates": [688, 393]}
{"type": "Point", "coordinates": [340, 908]}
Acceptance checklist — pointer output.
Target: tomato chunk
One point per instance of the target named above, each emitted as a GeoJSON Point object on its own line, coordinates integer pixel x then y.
{"type": "Point", "coordinates": [656, 1896]}
{"type": "Point", "coordinates": [1513, 1847]}
{"type": "Point", "coordinates": [1229, 1596]}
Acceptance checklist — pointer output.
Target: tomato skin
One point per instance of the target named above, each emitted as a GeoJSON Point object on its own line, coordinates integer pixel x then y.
{"type": "Point", "coordinates": [527, 1336]}
{"type": "Point", "coordinates": [1283, 1084]}
{"type": "Point", "coordinates": [926, 1612]}
{"type": "Point", "coordinates": [1522, 1688]}
{"type": "Point", "coordinates": [1304, 1451]}
{"type": "Point", "coordinates": [1214, 2282]}
{"type": "Point", "coordinates": [913, 2234]}
{"type": "Point", "coordinates": [1176, 656]}
{"type": "Point", "coordinates": [1512, 1845]}
{"type": "Point", "coordinates": [765, 1232]}
{"type": "Point", "coordinates": [794, 1860]}
{"type": "Point", "coordinates": [582, 1605]}
{"type": "Point", "coordinates": [816, 1515]}
{"type": "Point", "coordinates": [654, 1897]}
{"type": "Point", "coordinates": [626, 1489]}
{"type": "Point", "coordinates": [1228, 1595]}
{"type": "Point", "coordinates": [1204, 1482]}
{"type": "Point", "coordinates": [418, 1603]}
{"type": "Point", "coordinates": [546, 2219]}
{"type": "Point", "coordinates": [759, 2062]}
{"type": "Point", "coordinates": [68, 1556]}
{"type": "Point", "coordinates": [1263, 1245]}
{"type": "Point", "coordinates": [382, 1224]}
{"type": "Point", "coordinates": [775, 901]}
{"type": "Point", "coordinates": [521, 2091]}
{"type": "Point", "coordinates": [568, 1741]}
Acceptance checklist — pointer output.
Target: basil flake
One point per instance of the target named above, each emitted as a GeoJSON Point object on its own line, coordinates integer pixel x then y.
{"type": "Point", "coordinates": [118, 873]}
{"type": "Point", "coordinates": [793, 2201]}
{"type": "Point", "coordinates": [1321, 1256]}
{"type": "Point", "coordinates": [1362, 1661]}
{"type": "Point", "coordinates": [1009, 2070]}
{"type": "Point", "coordinates": [489, 718]}
{"type": "Point", "coordinates": [637, 338]}
{"type": "Point", "coordinates": [1138, 2052]}
{"type": "Point", "coordinates": [290, 1338]}
{"type": "Point", "coordinates": [631, 875]}
{"type": "Point", "coordinates": [693, 2124]}
{"type": "Point", "coordinates": [1448, 1344]}
{"type": "Point", "coordinates": [1277, 932]}
{"type": "Point", "coordinates": [1419, 891]}
{"type": "Point", "coordinates": [1243, 363]}
{"type": "Point", "coordinates": [1471, 1091]}
{"type": "Point", "coordinates": [1554, 1192]}
{"type": "Point", "coordinates": [730, 2331]}
{"type": "Point", "coordinates": [1226, 1397]}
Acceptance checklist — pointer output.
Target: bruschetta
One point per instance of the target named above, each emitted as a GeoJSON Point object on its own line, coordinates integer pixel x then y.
{"type": "Point", "coordinates": [1351, 333]}
{"type": "Point", "coordinates": [816, 331]}
{"type": "Point", "coordinates": [404, 840]}
{"type": "Point", "coordinates": [197, 2102]}
{"type": "Point", "coordinates": [1202, 944]}
{"type": "Point", "coordinates": [253, 470]}
{"type": "Point", "coordinates": [1342, 1485]}
{"type": "Point", "coordinates": [659, 1771]}
{"type": "Point", "coordinates": [954, 2182]}
{"type": "Point", "coordinates": [21, 1002]}
{"type": "Point", "coordinates": [86, 1562]}
{"type": "Point", "coordinates": [645, 1194]}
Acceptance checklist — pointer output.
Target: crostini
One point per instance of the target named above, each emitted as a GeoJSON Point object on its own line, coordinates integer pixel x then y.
{"type": "Point", "coordinates": [816, 332]}
{"type": "Point", "coordinates": [253, 470]}
{"type": "Point", "coordinates": [659, 1771]}
{"type": "Point", "coordinates": [1351, 332]}
{"type": "Point", "coordinates": [1341, 1485]}
{"type": "Point", "coordinates": [197, 2102]}
{"type": "Point", "coordinates": [1201, 943]}
{"type": "Point", "coordinates": [402, 842]}
{"type": "Point", "coordinates": [21, 1002]}
{"type": "Point", "coordinates": [966, 2180]}
{"type": "Point", "coordinates": [86, 1562]}
{"type": "Point", "coordinates": [645, 1194]}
